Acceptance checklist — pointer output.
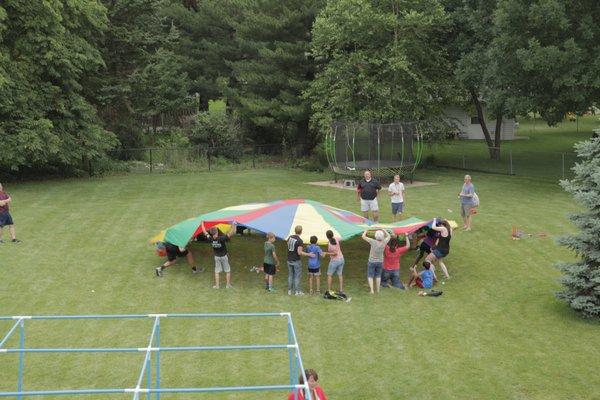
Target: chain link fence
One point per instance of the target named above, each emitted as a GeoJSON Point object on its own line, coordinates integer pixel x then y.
{"type": "Point", "coordinates": [236, 156]}
{"type": "Point", "coordinates": [551, 166]}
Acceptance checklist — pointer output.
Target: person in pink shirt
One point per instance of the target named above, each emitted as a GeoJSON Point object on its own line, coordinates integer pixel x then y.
{"type": "Point", "coordinates": [336, 261]}
{"type": "Point", "coordinates": [391, 262]}
{"type": "Point", "coordinates": [316, 393]}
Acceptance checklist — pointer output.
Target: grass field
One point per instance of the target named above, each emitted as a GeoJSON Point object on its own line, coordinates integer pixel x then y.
{"type": "Point", "coordinates": [496, 333]}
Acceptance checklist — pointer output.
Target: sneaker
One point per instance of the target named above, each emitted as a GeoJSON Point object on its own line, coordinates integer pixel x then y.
{"type": "Point", "coordinates": [272, 290]}
{"type": "Point", "coordinates": [16, 241]}
{"type": "Point", "coordinates": [215, 287]}
{"type": "Point", "coordinates": [195, 270]}
{"type": "Point", "coordinates": [158, 271]}
{"type": "Point", "coordinates": [1, 241]}
{"type": "Point", "coordinates": [289, 292]}
{"type": "Point", "coordinates": [299, 293]}
{"type": "Point", "coordinates": [228, 286]}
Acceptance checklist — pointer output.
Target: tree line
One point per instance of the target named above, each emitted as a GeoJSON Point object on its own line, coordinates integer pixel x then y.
{"type": "Point", "coordinates": [79, 78]}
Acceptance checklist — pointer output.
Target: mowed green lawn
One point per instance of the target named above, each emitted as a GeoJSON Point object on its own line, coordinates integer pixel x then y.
{"type": "Point", "coordinates": [497, 332]}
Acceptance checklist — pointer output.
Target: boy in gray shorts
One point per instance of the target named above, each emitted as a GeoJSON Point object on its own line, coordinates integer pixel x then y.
{"type": "Point", "coordinates": [218, 243]}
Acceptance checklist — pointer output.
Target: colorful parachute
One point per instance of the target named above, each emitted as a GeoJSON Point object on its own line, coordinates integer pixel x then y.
{"type": "Point", "coordinates": [281, 217]}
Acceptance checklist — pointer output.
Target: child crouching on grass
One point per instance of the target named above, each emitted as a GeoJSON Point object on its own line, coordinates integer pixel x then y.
{"type": "Point", "coordinates": [270, 262]}
{"type": "Point", "coordinates": [314, 265]}
{"type": "Point", "coordinates": [424, 279]}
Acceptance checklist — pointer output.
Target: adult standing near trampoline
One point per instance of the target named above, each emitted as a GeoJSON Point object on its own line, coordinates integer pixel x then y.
{"type": "Point", "coordinates": [5, 217]}
{"type": "Point", "coordinates": [396, 192]}
{"type": "Point", "coordinates": [467, 202]}
{"type": "Point", "coordinates": [367, 191]}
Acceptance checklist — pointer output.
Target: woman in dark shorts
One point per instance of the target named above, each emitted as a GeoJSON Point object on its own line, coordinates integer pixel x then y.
{"type": "Point", "coordinates": [442, 247]}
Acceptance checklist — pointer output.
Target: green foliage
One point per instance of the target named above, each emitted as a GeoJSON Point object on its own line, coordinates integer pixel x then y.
{"type": "Point", "coordinates": [206, 43]}
{"type": "Point", "coordinates": [379, 60]}
{"type": "Point", "coordinates": [581, 280]}
{"type": "Point", "coordinates": [47, 51]}
{"type": "Point", "coordinates": [220, 132]}
{"type": "Point", "coordinates": [273, 68]}
{"type": "Point", "coordinates": [143, 76]}
{"type": "Point", "coordinates": [550, 56]}
{"type": "Point", "coordinates": [161, 86]}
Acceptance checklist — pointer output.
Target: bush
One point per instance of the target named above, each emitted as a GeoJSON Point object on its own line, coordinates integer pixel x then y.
{"type": "Point", "coordinates": [221, 132]}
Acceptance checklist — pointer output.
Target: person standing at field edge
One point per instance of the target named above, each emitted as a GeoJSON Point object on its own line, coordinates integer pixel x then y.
{"type": "Point", "coordinates": [5, 217]}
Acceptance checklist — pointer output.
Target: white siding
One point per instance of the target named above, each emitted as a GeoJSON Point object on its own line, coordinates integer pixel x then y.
{"type": "Point", "coordinates": [462, 120]}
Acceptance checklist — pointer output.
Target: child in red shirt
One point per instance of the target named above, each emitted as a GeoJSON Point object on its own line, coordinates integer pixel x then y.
{"type": "Point", "coordinates": [391, 263]}
{"type": "Point", "coordinates": [316, 393]}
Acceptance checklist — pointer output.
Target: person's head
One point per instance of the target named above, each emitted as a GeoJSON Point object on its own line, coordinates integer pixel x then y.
{"type": "Point", "coordinates": [313, 240]}
{"type": "Point", "coordinates": [330, 237]}
{"type": "Point", "coordinates": [367, 175]}
{"type": "Point", "coordinates": [467, 179]}
{"type": "Point", "coordinates": [393, 243]}
{"type": "Point", "coordinates": [271, 237]}
{"type": "Point", "coordinates": [397, 178]}
{"type": "Point", "coordinates": [311, 377]}
{"type": "Point", "coordinates": [379, 235]}
{"type": "Point", "coordinates": [214, 232]}
{"type": "Point", "coordinates": [446, 224]}
{"type": "Point", "coordinates": [298, 229]}
{"type": "Point", "coordinates": [426, 264]}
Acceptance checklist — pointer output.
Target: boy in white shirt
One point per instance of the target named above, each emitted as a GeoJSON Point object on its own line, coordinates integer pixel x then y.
{"type": "Point", "coordinates": [396, 192]}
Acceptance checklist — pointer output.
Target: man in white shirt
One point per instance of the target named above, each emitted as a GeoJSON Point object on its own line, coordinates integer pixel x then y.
{"type": "Point", "coordinates": [396, 192]}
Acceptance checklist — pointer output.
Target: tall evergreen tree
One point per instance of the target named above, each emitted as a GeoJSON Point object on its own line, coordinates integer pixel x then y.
{"type": "Point", "coordinates": [47, 51]}
{"type": "Point", "coordinates": [143, 76]}
{"type": "Point", "coordinates": [273, 69]}
{"type": "Point", "coordinates": [581, 280]}
{"type": "Point", "coordinates": [206, 43]}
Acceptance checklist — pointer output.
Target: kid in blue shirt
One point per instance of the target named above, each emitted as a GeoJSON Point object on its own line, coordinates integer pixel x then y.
{"type": "Point", "coordinates": [314, 265]}
{"type": "Point", "coordinates": [424, 279]}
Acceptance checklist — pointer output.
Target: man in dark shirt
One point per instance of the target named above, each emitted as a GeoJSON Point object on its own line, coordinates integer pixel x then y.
{"type": "Point", "coordinates": [367, 191]}
{"type": "Point", "coordinates": [5, 217]}
{"type": "Point", "coordinates": [218, 243]}
{"type": "Point", "coordinates": [295, 247]}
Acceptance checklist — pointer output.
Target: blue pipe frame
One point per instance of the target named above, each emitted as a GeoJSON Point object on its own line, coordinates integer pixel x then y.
{"type": "Point", "coordinates": [296, 368]}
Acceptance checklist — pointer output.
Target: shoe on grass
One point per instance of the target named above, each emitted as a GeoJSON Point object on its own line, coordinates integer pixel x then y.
{"type": "Point", "coordinates": [272, 290]}
{"type": "Point", "coordinates": [299, 293]}
{"type": "Point", "coordinates": [289, 292]}
{"type": "Point", "coordinates": [158, 271]}
{"type": "Point", "coordinates": [16, 241]}
{"type": "Point", "coordinates": [228, 286]}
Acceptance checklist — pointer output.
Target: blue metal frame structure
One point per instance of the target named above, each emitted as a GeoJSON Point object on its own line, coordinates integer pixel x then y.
{"type": "Point", "coordinates": [154, 347]}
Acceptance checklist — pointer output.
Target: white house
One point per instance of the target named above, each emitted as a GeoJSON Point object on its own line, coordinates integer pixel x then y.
{"type": "Point", "coordinates": [469, 127]}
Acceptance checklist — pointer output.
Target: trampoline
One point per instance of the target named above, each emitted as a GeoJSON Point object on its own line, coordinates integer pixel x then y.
{"type": "Point", "coordinates": [384, 149]}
